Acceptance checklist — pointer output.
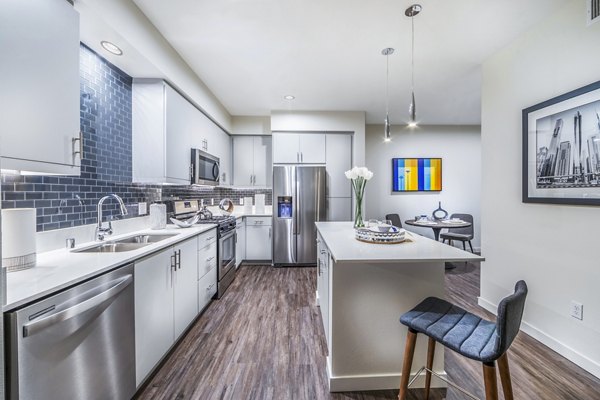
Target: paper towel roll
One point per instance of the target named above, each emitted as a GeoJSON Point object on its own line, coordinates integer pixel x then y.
{"type": "Point", "coordinates": [18, 239]}
{"type": "Point", "coordinates": [247, 205]}
{"type": "Point", "coordinates": [158, 216]}
{"type": "Point", "coordinates": [259, 203]}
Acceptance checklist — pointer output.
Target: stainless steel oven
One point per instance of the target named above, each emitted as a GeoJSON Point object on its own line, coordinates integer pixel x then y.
{"type": "Point", "coordinates": [205, 168]}
{"type": "Point", "coordinates": [226, 253]}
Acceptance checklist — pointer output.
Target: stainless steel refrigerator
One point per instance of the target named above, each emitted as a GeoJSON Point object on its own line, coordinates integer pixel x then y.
{"type": "Point", "coordinates": [298, 201]}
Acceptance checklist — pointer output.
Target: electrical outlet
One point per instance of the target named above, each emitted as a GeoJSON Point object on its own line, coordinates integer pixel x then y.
{"type": "Point", "coordinates": [576, 310]}
{"type": "Point", "coordinates": [142, 209]}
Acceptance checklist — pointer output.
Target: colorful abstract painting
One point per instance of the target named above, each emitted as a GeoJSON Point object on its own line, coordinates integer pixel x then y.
{"type": "Point", "coordinates": [417, 174]}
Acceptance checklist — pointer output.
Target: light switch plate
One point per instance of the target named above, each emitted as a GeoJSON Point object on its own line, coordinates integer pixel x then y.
{"type": "Point", "coordinates": [142, 209]}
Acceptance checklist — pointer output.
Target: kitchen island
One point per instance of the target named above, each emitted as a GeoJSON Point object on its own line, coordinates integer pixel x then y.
{"type": "Point", "coordinates": [362, 289]}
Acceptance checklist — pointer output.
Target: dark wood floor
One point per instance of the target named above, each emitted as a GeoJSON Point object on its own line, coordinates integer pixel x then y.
{"type": "Point", "coordinates": [264, 340]}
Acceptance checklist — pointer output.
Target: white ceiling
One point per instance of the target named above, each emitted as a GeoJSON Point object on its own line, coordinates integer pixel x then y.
{"type": "Point", "coordinates": [327, 53]}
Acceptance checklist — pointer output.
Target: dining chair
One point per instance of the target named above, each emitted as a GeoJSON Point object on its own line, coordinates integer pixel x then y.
{"type": "Point", "coordinates": [395, 218]}
{"type": "Point", "coordinates": [465, 234]}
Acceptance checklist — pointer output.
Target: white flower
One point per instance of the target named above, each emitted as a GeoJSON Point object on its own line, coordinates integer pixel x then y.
{"type": "Point", "coordinates": [351, 174]}
{"type": "Point", "coordinates": [359, 172]}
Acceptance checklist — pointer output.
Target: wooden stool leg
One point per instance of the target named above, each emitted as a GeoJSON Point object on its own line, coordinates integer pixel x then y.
{"type": "Point", "coordinates": [489, 378]}
{"type": "Point", "coordinates": [409, 352]}
{"type": "Point", "coordinates": [430, 354]}
{"type": "Point", "coordinates": [505, 377]}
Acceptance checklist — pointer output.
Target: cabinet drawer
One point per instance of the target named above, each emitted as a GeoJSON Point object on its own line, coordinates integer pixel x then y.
{"type": "Point", "coordinates": [207, 287]}
{"type": "Point", "coordinates": [207, 238]}
{"type": "Point", "coordinates": [207, 259]}
{"type": "Point", "coordinates": [252, 221]}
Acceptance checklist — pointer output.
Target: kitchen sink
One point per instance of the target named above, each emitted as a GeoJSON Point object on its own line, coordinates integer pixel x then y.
{"type": "Point", "coordinates": [144, 239]}
{"type": "Point", "coordinates": [126, 244]}
{"type": "Point", "coordinates": [112, 247]}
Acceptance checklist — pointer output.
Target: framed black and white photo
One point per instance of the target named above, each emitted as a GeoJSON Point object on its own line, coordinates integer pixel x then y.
{"type": "Point", "coordinates": [561, 149]}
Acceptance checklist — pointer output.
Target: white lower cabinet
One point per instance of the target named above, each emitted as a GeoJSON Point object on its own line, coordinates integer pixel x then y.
{"type": "Point", "coordinates": [165, 302]}
{"type": "Point", "coordinates": [207, 287]}
{"type": "Point", "coordinates": [258, 238]}
{"type": "Point", "coordinates": [240, 244]}
{"type": "Point", "coordinates": [207, 269]}
{"type": "Point", "coordinates": [186, 290]}
{"type": "Point", "coordinates": [323, 266]}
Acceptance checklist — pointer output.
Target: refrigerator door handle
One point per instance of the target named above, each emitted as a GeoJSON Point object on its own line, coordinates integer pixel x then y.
{"type": "Point", "coordinates": [297, 229]}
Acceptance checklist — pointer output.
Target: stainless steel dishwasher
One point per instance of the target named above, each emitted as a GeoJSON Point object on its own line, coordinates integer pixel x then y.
{"type": "Point", "coordinates": [77, 344]}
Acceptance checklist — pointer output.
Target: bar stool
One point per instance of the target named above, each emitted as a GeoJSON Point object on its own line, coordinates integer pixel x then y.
{"type": "Point", "coordinates": [468, 335]}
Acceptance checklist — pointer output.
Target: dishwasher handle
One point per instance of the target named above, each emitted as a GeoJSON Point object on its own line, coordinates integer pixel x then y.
{"type": "Point", "coordinates": [95, 302]}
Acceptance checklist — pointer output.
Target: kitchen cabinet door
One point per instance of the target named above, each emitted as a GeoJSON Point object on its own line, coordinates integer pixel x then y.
{"type": "Point", "coordinates": [207, 287]}
{"type": "Point", "coordinates": [180, 128]}
{"type": "Point", "coordinates": [312, 148]}
{"type": "Point", "coordinates": [240, 245]}
{"type": "Point", "coordinates": [243, 160]}
{"type": "Point", "coordinates": [153, 311]}
{"type": "Point", "coordinates": [324, 294]}
{"type": "Point", "coordinates": [39, 75]}
{"type": "Point", "coordinates": [338, 160]}
{"type": "Point", "coordinates": [186, 287]}
{"type": "Point", "coordinates": [258, 242]}
{"type": "Point", "coordinates": [286, 148]}
{"type": "Point", "coordinates": [339, 209]}
{"type": "Point", "coordinates": [263, 162]}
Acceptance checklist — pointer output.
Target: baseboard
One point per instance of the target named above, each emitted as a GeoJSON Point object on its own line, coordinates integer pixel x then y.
{"type": "Point", "coordinates": [378, 382]}
{"type": "Point", "coordinates": [570, 354]}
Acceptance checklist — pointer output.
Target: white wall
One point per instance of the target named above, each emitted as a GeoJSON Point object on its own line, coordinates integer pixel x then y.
{"type": "Point", "coordinates": [325, 121]}
{"type": "Point", "coordinates": [460, 150]}
{"type": "Point", "coordinates": [127, 19]}
{"type": "Point", "coordinates": [553, 247]}
{"type": "Point", "coordinates": [250, 125]}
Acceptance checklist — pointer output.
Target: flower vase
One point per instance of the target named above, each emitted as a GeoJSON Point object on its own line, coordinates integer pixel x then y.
{"type": "Point", "coordinates": [358, 218]}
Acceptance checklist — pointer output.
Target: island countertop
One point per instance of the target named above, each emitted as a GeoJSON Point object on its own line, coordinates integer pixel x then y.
{"type": "Point", "coordinates": [339, 238]}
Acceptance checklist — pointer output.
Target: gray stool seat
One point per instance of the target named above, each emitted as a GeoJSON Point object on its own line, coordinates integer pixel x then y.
{"type": "Point", "coordinates": [467, 334]}
{"type": "Point", "coordinates": [455, 328]}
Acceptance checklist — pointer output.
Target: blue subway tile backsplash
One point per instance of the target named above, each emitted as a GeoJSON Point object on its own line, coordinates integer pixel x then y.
{"type": "Point", "coordinates": [106, 165]}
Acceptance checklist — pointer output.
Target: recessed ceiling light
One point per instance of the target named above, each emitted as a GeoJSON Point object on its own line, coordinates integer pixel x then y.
{"type": "Point", "coordinates": [289, 97]}
{"type": "Point", "coordinates": [111, 48]}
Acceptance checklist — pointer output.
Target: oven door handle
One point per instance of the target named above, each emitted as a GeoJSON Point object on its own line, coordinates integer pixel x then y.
{"type": "Point", "coordinates": [227, 235]}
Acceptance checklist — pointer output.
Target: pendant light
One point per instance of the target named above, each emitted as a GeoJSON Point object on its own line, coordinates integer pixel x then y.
{"type": "Point", "coordinates": [387, 136]}
{"type": "Point", "coordinates": [411, 12]}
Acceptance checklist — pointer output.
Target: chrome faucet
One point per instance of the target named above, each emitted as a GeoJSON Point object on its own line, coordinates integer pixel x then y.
{"type": "Point", "coordinates": [100, 230]}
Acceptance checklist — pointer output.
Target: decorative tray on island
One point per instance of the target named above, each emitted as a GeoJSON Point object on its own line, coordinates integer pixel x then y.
{"type": "Point", "coordinates": [374, 235]}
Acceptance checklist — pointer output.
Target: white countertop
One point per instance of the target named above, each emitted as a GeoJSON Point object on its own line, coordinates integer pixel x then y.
{"type": "Point", "coordinates": [339, 238]}
{"type": "Point", "coordinates": [59, 269]}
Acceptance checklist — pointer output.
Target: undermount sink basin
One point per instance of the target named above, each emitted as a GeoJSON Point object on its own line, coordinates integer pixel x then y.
{"type": "Point", "coordinates": [112, 247]}
{"type": "Point", "coordinates": [144, 239]}
{"type": "Point", "coordinates": [126, 244]}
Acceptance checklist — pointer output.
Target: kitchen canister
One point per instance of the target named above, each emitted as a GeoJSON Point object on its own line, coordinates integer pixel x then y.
{"type": "Point", "coordinates": [158, 216]}
{"type": "Point", "coordinates": [18, 239]}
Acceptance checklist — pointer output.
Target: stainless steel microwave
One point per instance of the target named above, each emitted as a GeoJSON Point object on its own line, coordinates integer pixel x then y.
{"type": "Point", "coordinates": [205, 168]}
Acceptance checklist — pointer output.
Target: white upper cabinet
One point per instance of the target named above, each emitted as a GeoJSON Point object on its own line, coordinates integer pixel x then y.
{"type": "Point", "coordinates": [339, 160]}
{"type": "Point", "coordinates": [39, 100]}
{"type": "Point", "coordinates": [298, 148]}
{"type": "Point", "coordinates": [252, 164]}
{"type": "Point", "coordinates": [166, 127]}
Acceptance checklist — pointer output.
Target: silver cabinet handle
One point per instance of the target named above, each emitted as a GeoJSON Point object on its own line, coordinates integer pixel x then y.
{"type": "Point", "coordinates": [259, 222]}
{"type": "Point", "coordinates": [178, 259]}
{"type": "Point", "coordinates": [297, 156]}
{"type": "Point", "coordinates": [251, 179]}
{"type": "Point", "coordinates": [301, 157]}
{"type": "Point", "coordinates": [80, 150]}
{"type": "Point", "coordinates": [269, 232]}
{"type": "Point", "coordinates": [209, 259]}
{"type": "Point", "coordinates": [95, 303]}
{"type": "Point", "coordinates": [210, 238]}
{"type": "Point", "coordinates": [210, 287]}
{"type": "Point", "coordinates": [174, 261]}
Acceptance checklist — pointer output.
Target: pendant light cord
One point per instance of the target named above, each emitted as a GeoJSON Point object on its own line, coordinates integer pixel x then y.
{"type": "Point", "coordinates": [387, 84]}
{"type": "Point", "coordinates": [412, 20]}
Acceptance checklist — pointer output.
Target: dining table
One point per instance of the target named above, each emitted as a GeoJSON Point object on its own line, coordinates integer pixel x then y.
{"type": "Point", "coordinates": [437, 225]}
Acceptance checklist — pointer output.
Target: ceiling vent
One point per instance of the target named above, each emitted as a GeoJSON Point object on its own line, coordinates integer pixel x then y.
{"type": "Point", "coordinates": [593, 11]}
